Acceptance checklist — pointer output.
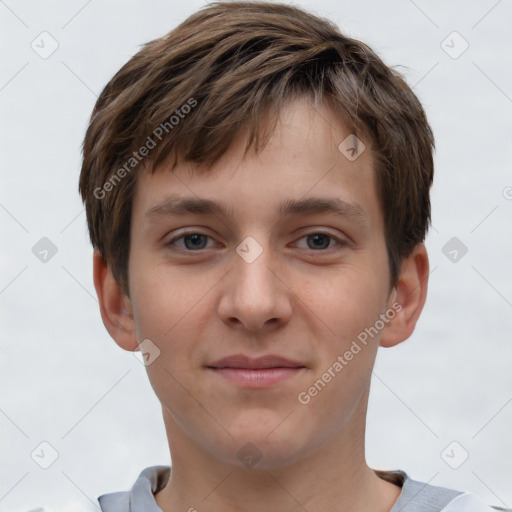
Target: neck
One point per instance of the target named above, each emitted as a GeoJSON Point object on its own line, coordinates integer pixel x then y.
{"type": "Point", "coordinates": [334, 477]}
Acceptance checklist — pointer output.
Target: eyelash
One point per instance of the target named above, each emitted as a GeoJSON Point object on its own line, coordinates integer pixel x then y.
{"type": "Point", "coordinates": [340, 242]}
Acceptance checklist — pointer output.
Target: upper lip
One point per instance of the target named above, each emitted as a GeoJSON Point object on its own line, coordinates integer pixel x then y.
{"type": "Point", "coordinates": [264, 362]}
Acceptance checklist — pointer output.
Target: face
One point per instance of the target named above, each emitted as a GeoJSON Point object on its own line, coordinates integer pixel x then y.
{"type": "Point", "coordinates": [259, 307]}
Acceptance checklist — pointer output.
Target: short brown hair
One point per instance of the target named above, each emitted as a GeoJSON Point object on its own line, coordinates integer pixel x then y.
{"type": "Point", "coordinates": [234, 65]}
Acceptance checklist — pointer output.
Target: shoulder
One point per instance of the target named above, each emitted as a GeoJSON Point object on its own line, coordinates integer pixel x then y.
{"type": "Point", "coordinates": [423, 497]}
{"type": "Point", "coordinates": [468, 502]}
{"type": "Point", "coordinates": [115, 502]}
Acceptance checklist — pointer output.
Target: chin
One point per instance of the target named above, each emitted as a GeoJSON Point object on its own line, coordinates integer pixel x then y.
{"type": "Point", "coordinates": [268, 445]}
{"type": "Point", "coordinates": [259, 454]}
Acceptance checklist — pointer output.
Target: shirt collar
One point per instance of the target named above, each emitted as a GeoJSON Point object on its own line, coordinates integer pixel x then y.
{"type": "Point", "coordinates": [141, 498]}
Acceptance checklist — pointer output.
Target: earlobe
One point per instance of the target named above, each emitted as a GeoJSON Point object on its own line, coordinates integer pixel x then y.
{"type": "Point", "coordinates": [407, 298]}
{"type": "Point", "coordinates": [115, 307]}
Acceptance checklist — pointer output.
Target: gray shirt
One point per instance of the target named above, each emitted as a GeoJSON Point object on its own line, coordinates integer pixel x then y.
{"type": "Point", "coordinates": [415, 496]}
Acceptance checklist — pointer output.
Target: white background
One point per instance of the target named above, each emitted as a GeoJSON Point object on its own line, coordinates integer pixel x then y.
{"type": "Point", "coordinates": [64, 381]}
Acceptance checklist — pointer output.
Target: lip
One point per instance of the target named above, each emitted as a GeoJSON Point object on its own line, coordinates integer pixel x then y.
{"type": "Point", "coordinates": [258, 372]}
{"type": "Point", "coordinates": [242, 361]}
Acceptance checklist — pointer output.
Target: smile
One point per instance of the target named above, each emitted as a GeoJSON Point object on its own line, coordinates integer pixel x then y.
{"type": "Point", "coordinates": [262, 372]}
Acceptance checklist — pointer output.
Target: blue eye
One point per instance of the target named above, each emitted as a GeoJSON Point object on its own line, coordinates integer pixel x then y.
{"type": "Point", "coordinates": [316, 241]}
{"type": "Point", "coordinates": [195, 241]}
{"type": "Point", "coordinates": [319, 240]}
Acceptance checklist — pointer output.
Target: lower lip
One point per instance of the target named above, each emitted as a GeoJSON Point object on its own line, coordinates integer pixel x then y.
{"type": "Point", "coordinates": [257, 378]}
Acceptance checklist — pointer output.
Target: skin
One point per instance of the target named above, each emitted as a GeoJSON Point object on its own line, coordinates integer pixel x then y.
{"type": "Point", "coordinates": [295, 300]}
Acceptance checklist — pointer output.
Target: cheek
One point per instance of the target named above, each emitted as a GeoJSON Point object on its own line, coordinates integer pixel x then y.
{"type": "Point", "coordinates": [169, 309]}
{"type": "Point", "coordinates": [164, 299]}
{"type": "Point", "coordinates": [347, 301]}
{"type": "Point", "coordinates": [349, 306]}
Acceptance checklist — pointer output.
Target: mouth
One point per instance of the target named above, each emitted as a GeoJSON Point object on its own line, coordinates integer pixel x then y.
{"type": "Point", "coordinates": [261, 372]}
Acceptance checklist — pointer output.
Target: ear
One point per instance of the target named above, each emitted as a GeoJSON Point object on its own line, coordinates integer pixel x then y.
{"type": "Point", "coordinates": [115, 307]}
{"type": "Point", "coordinates": [407, 298]}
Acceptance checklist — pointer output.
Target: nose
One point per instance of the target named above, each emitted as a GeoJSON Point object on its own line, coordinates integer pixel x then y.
{"type": "Point", "coordinates": [255, 295]}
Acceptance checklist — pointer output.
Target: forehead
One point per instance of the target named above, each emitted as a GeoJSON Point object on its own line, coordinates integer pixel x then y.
{"type": "Point", "coordinates": [311, 162]}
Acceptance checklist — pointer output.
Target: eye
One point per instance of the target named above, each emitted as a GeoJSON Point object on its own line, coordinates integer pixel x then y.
{"type": "Point", "coordinates": [193, 241]}
{"type": "Point", "coordinates": [319, 241]}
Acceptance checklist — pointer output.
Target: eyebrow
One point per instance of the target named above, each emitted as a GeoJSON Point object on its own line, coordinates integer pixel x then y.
{"type": "Point", "coordinates": [181, 205]}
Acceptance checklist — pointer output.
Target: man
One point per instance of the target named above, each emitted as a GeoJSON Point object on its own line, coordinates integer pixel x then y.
{"type": "Point", "coordinates": [257, 193]}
